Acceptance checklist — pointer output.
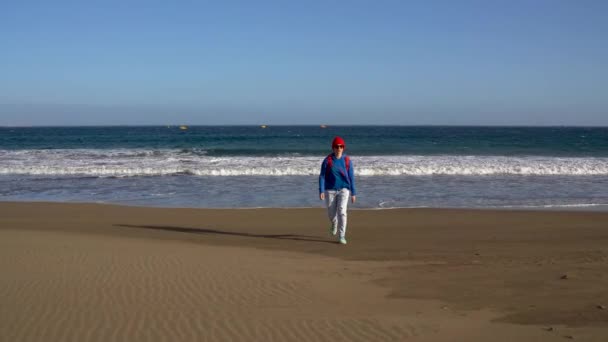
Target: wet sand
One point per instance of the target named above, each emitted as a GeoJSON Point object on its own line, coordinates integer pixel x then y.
{"type": "Point", "coordinates": [91, 272]}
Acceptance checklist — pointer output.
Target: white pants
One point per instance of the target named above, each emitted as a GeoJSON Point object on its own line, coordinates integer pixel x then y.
{"type": "Point", "coordinates": [337, 201]}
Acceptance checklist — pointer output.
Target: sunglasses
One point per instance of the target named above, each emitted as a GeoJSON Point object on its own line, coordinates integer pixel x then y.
{"type": "Point", "coordinates": [338, 146]}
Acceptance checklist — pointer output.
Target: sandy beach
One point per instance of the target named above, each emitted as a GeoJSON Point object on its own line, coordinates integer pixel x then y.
{"type": "Point", "coordinates": [91, 272]}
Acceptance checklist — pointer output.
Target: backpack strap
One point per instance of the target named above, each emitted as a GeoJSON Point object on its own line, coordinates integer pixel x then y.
{"type": "Point", "coordinates": [330, 161]}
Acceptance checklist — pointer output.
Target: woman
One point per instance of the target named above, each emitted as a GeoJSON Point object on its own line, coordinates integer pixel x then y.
{"type": "Point", "coordinates": [336, 185]}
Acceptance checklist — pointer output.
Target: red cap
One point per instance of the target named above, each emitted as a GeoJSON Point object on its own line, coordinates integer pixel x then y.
{"type": "Point", "coordinates": [338, 141]}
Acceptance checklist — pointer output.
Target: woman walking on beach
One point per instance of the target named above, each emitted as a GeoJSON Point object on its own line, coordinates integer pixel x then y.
{"type": "Point", "coordinates": [336, 185]}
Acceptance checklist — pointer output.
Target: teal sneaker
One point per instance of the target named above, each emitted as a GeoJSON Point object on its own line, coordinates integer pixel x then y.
{"type": "Point", "coordinates": [333, 230]}
{"type": "Point", "coordinates": [342, 241]}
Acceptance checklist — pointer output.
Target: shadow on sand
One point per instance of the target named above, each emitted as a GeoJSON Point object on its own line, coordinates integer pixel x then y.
{"type": "Point", "coordinates": [220, 232]}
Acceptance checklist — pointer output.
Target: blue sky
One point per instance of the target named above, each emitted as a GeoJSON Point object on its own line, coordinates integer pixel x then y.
{"type": "Point", "coordinates": [304, 62]}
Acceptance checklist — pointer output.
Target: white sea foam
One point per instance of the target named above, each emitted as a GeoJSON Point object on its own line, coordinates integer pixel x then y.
{"type": "Point", "coordinates": [137, 162]}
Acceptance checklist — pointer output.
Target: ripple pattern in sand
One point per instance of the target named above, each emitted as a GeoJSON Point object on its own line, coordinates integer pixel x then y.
{"type": "Point", "coordinates": [70, 287]}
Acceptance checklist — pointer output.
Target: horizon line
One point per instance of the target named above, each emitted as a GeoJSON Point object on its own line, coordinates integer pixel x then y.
{"type": "Point", "coordinates": [322, 126]}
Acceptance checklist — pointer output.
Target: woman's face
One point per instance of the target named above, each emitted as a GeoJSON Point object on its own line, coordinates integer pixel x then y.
{"type": "Point", "coordinates": [338, 149]}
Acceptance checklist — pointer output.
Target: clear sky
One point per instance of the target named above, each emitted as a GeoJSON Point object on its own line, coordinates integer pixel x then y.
{"type": "Point", "coordinates": [486, 62]}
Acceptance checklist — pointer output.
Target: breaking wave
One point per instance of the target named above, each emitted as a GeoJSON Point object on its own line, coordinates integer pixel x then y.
{"type": "Point", "coordinates": [139, 162]}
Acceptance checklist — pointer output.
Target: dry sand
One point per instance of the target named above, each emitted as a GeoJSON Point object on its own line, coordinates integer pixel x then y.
{"type": "Point", "coordinates": [88, 272]}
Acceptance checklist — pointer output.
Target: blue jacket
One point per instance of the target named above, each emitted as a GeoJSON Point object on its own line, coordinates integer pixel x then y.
{"type": "Point", "coordinates": [337, 178]}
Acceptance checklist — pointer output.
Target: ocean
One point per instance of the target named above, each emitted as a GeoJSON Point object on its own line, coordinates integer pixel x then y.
{"type": "Point", "coordinates": [278, 166]}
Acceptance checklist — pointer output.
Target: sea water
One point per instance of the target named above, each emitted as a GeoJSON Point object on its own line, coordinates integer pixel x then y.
{"type": "Point", "coordinates": [278, 166]}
